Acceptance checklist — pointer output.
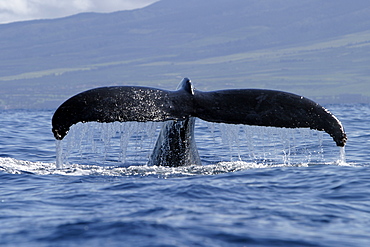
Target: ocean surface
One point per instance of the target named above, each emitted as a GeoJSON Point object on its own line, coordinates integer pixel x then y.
{"type": "Point", "coordinates": [258, 186]}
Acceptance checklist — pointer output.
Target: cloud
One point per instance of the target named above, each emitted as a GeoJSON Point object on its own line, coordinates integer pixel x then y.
{"type": "Point", "coordinates": [19, 10]}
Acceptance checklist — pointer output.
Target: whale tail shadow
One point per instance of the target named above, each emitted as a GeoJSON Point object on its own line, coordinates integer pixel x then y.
{"type": "Point", "coordinates": [235, 106]}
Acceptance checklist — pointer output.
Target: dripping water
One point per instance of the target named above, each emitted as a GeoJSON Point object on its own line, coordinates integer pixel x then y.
{"type": "Point", "coordinates": [131, 143]}
{"type": "Point", "coordinates": [59, 153]}
{"type": "Point", "coordinates": [107, 143]}
{"type": "Point", "coordinates": [269, 144]}
{"type": "Point", "coordinates": [342, 156]}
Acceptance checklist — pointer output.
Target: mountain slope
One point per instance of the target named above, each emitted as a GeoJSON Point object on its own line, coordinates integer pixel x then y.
{"type": "Point", "coordinates": [309, 47]}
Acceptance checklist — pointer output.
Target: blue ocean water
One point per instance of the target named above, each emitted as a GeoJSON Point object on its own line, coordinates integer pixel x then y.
{"type": "Point", "coordinates": [257, 186]}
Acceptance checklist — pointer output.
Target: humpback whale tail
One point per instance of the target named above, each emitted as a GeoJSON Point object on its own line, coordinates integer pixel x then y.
{"type": "Point", "coordinates": [236, 106]}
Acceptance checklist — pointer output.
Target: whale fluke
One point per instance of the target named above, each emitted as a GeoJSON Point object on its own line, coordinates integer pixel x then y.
{"type": "Point", "coordinates": [267, 108]}
{"type": "Point", "coordinates": [236, 106]}
{"type": "Point", "coordinates": [126, 103]}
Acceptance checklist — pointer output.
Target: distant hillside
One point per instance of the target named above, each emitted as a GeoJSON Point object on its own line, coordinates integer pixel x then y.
{"type": "Point", "coordinates": [316, 48]}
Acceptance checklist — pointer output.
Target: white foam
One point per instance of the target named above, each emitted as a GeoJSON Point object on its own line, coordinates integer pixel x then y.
{"type": "Point", "coordinates": [14, 166]}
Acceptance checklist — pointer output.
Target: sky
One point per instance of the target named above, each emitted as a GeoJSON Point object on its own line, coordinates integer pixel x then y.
{"type": "Point", "coordinates": [21, 10]}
